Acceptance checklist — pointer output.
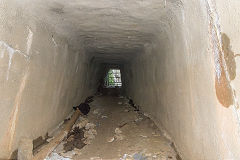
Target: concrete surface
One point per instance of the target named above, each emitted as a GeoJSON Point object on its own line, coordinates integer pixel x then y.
{"type": "Point", "coordinates": [179, 62]}
{"type": "Point", "coordinates": [42, 77]}
{"type": "Point", "coordinates": [120, 132]}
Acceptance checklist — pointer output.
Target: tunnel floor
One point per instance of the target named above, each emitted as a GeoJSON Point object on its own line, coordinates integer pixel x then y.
{"type": "Point", "coordinates": [121, 133]}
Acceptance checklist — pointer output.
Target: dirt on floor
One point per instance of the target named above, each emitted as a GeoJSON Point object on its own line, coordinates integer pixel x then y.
{"type": "Point", "coordinates": [113, 130]}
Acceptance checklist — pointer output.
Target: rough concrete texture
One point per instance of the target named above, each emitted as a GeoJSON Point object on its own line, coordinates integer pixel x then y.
{"type": "Point", "coordinates": [175, 79]}
{"type": "Point", "coordinates": [176, 66]}
{"type": "Point", "coordinates": [25, 149]}
{"type": "Point", "coordinates": [42, 77]}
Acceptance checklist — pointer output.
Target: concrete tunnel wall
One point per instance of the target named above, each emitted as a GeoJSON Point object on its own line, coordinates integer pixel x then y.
{"type": "Point", "coordinates": [176, 82]}
{"type": "Point", "coordinates": [181, 76]}
{"type": "Point", "coordinates": [42, 77]}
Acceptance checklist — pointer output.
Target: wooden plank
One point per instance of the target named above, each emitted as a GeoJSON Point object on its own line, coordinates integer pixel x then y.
{"type": "Point", "coordinates": [46, 150]}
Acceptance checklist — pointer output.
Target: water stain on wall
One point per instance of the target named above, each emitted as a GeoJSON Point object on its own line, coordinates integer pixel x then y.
{"type": "Point", "coordinates": [223, 91]}
{"type": "Point", "coordinates": [222, 84]}
{"type": "Point", "coordinates": [229, 57]}
{"type": "Point", "coordinates": [5, 48]}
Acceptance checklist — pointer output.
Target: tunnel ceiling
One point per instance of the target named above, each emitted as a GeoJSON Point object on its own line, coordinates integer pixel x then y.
{"type": "Point", "coordinates": [111, 30]}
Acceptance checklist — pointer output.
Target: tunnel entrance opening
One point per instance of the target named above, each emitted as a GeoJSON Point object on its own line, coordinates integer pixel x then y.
{"type": "Point", "coordinates": [113, 79]}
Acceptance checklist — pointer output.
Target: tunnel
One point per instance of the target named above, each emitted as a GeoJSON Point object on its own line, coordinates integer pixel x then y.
{"type": "Point", "coordinates": [178, 61]}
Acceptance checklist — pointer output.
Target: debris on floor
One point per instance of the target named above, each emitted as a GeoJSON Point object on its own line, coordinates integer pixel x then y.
{"type": "Point", "coordinates": [74, 139]}
{"type": "Point", "coordinates": [143, 136]}
{"type": "Point", "coordinates": [121, 124]}
{"type": "Point", "coordinates": [146, 114]}
{"type": "Point", "coordinates": [82, 134]}
{"type": "Point", "coordinates": [90, 126]}
{"type": "Point", "coordinates": [56, 156]}
{"type": "Point", "coordinates": [130, 102]}
{"type": "Point", "coordinates": [96, 158]}
{"type": "Point", "coordinates": [40, 141]}
{"type": "Point", "coordinates": [83, 107]}
{"type": "Point", "coordinates": [89, 99]}
{"type": "Point", "coordinates": [89, 133]}
{"type": "Point", "coordinates": [104, 116]}
{"type": "Point", "coordinates": [114, 130]}
{"type": "Point", "coordinates": [81, 122]}
{"type": "Point", "coordinates": [138, 119]}
{"type": "Point", "coordinates": [136, 156]}
{"type": "Point", "coordinates": [49, 139]}
{"type": "Point", "coordinates": [96, 111]}
{"type": "Point", "coordinates": [118, 134]}
{"type": "Point", "coordinates": [71, 154]}
{"type": "Point", "coordinates": [110, 139]}
{"type": "Point", "coordinates": [125, 157]}
{"type": "Point", "coordinates": [139, 156]}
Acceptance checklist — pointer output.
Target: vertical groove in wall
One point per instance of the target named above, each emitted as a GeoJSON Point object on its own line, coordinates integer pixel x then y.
{"type": "Point", "coordinates": [14, 114]}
